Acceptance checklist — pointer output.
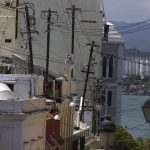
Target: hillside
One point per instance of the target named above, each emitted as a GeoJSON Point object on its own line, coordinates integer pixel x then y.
{"type": "Point", "coordinates": [139, 40]}
{"type": "Point", "coordinates": [137, 53]}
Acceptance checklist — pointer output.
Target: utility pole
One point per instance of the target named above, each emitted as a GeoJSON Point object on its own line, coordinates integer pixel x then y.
{"type": "Point", "coordinates": [31, 69]}
{"type": "Point", "coordinates": [49, 15]}
{"type": "Point", "coordinates": [86, 80]}
{"type": "Point", "coordinates": [72, 41]}
{"type": "Point", "coordinates": [73, 10]}
{"type": "Point", "coordinates": [48, 47]}
{"type": "Point", "coordinates": [98, 102]}
{"type": "Point", "coordinates": [94, 111]}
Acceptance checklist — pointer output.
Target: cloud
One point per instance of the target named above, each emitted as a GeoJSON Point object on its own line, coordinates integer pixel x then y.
{"type": "Point", "coordinates": [127, 10]}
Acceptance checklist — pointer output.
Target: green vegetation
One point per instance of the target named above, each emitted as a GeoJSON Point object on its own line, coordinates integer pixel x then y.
{"type": "Point", "coordinates": [136, 82]}
{"type": "Point", "coordinates": [124, 141]}
{"type": "Point", "coordinates": [131, 80]}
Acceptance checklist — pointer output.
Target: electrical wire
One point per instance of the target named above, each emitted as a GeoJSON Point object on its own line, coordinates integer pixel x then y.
{"type": "Point", "coordinates": [70, 32]}
{"type": "Point", "coordinates": [122, 58]}
{"type": "Point", "coordinates": [139, 23]}
{"type": "Point", "coordinates": [103, 9]}
{"type": "Point", "coordinates": [67, 124]}
{"type": "Point", "coordinates": [132, 25]}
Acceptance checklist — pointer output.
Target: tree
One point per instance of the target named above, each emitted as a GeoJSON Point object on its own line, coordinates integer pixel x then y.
{"type": "Point", "coordinates": [124, 141]}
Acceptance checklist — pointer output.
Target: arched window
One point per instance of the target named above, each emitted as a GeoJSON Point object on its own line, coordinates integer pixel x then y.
{"type": "Point", "coordinates": [104, 69]}
{"type": "Point", "coordinates": [110, 73]}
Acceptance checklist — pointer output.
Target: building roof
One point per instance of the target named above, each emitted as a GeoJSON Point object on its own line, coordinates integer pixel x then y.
{"type": "Point", "coordinates": [19, 60]}
{"type": "Point", "coordinates": [114, 36]}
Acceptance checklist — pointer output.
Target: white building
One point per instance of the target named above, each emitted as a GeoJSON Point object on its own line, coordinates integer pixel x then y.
{"type": "Point", "coordinates": [137, 66]}
{"type": "Point", "coordinates": [22, 116]}
{"type": "Point", "coordinates": [137, 63]}
{"type": "Point", "coordinates": [112, 73]}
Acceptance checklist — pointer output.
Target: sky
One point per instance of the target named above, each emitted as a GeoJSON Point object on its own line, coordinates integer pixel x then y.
{"type": "Point", "coordinates": [127, 10]}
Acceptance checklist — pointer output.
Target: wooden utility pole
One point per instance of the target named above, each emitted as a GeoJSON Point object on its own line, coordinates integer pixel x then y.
{"type": "Point", "coordinates": [97, 105]}
{"type": "Point", "coordinates": [49, 14]}
{"type": "Point", "coordinates": [31, 69]}
{"type": "Point", "coordinates": [86, 81]}
{"type": "Point", "coordinates": [48, 47]}
{"type": "Point", "coordinates": [72, 41]}
{"type": "Point", "coordinates": [73, 11]}
{"type": "Point", "coordinates": [94, 111]}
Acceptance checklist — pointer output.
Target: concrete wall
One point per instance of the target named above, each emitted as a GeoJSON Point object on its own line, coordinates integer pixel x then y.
{"type": "Point", "coordinates": [19, 132]}
{"type": "Point", "coordinates": [10, 133]}
{"type": "Point", "coordinates": [7, 28]}
{"type": "Point", "coordinates": [66, 124]}
{"type": "Point", "coordinates": [33, 132]}
{"type": "Point", "coordinates": [25, 86]}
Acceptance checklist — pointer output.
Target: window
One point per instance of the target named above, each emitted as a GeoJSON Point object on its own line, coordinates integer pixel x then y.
{"type": "Point", "coordinates": [54, 90]}
{"type": "Point", "coordinates": [106, 117]}
{"type": "Point", "coordinates": [7, 40]}
{"type": "Point", "coordinates": [106, 95]}
{"type": "Point", "coordinates": [103, 98]}
{"type": "Point", "coordinates": [8, 4]}
{"type": "Point", "coordinates": [104, 67]}
{"type": "Point", "coordinates": [107, 66]}
{"type": "Point", "coordinates": [111, 67]}
{"type": "Point", "coordinates": [109, 98]}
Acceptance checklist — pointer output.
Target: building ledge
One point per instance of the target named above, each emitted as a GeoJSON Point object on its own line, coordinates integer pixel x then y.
{"type": "Point", "coordinates": [22, 106]}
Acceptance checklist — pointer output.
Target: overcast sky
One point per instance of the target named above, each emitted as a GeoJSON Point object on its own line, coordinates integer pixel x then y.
{"type": "Point", "coordinates": [127, 10]}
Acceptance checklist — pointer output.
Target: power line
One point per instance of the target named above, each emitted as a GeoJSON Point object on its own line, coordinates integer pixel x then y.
{"type": "Point", "coordinates": [132, 25]}
{"type": "Point", "coordinates": [131, 128]}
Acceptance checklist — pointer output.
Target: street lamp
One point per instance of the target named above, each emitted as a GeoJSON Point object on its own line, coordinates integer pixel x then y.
{"type": "Point", "coordinates": [57, 117]}
{"type": "Point", "coordinates": [146, 110]}
{"type": "Point", "coordinates": [107, 131]}
{"type": "Point", "coordinates": [73, 99]}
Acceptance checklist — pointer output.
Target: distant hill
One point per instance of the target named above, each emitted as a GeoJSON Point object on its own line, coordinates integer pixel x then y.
{"type": "Point", "coordinates": [139, 40]}
{"type": "Point", "coordinates": [137, 53]}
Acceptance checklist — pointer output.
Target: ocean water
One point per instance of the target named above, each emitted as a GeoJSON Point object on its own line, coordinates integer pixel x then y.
{"type": "Point", "coordinates": [132, 117]}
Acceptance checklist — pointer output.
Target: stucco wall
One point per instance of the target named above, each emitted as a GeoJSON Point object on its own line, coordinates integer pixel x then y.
{"type": "Point", "coordinates": [33, 132]}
